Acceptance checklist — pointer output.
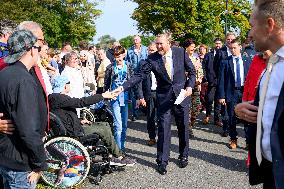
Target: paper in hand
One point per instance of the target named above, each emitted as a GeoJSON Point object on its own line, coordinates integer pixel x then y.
{"type": "Point", "coordinates": [181, 97]}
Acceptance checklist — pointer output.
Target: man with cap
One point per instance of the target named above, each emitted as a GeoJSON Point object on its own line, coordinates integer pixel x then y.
{"type": "Point", "coordinates": [65, 108]}
{"type": "Point", "coordinates": [22, 154]}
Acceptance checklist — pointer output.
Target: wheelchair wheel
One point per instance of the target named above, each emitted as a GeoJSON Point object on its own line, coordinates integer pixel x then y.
{"type": "Point", "coordinates": [68, 162]}
{"type": "Point", "coordinates": [88, 115]}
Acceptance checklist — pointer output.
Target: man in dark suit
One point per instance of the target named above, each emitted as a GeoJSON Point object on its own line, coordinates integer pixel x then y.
{"type": "Point", "coordinates": [169, 66]}
{"type": "Point", "coordinates": [220, 55]}
{"type": "Point", "coordinates": [211, 77]}
{"type": "Point", "coordinates": [233, 71]}
{"type": "Point", "coordinates": [266, 143]}
{"type": "Point", "coordinates": [147, 97]}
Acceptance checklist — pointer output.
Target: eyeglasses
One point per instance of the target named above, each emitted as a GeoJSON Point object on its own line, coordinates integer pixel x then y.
{"type": "Point", "coordinates": [38, 48]}
{"type": "Point", "coordinates": [42, 40]}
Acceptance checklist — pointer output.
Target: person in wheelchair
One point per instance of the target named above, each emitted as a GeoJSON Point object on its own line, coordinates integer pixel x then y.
{"type": "Point", "coordinates": [65, 108]}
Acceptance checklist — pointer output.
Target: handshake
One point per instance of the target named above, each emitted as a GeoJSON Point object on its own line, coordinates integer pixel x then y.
{"type": "Point", "coordinates": [112, 94]}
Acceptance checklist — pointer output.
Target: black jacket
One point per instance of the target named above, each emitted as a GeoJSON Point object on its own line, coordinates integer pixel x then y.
{"type": "Point", "coordinates": [65, 108]}
{"type": "Point", "coordinates": [210, 73]}
{"type": "Point", "coordinates": [19, 101]}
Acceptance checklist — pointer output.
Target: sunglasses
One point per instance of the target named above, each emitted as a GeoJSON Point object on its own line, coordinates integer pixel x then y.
{"type": "Point", "coordinates": [38, 48]}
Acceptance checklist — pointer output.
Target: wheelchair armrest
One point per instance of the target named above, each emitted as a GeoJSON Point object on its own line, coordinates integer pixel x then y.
{"type": "Point", "coordinates": [57, 127]}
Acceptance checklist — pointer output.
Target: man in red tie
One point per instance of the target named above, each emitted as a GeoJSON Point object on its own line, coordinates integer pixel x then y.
{"type": "Point", "coordinates": [36, 29]}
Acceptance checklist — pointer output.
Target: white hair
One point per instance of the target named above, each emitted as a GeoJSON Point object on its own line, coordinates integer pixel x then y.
{"type": "Point", "coordinates": [29, 25]}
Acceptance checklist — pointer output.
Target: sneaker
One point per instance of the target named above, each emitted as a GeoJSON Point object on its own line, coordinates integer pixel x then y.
{"type": "Point", "coordinates": [116, 162]}
{"type": "Point", "coordinates": [128, 161]}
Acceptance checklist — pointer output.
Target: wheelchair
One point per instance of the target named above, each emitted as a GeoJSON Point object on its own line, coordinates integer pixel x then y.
{"type": "Point", "coordinates": [71, 160]}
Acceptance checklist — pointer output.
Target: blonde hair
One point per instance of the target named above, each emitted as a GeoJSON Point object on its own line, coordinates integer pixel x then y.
{"type": "Point", "coordinates": [166, 35]}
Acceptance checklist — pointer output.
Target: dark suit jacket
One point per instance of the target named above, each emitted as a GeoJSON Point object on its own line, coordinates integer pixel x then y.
{"type": "Point", "coordinates": [277, 147]}
{"type": "Point", "coordinates": [210, 74]}
{"type": "Point", "coordinates": [220, 55]}
{"type": "Point", "coordinates": [166, 88]}
{"type": "Point", "coordinates": [144, 90]}
{"type": "Point", "coordinates": [226, 84]}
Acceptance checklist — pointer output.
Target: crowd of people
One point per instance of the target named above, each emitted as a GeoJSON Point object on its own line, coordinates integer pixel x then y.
{"type": "Point", "coordinates": [240, 81]}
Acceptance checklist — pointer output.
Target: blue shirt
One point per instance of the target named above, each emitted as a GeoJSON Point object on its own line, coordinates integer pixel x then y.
{"type": "Point", "coordinates": [119, 76]}
{"type": "Point", "coordinates": [3, 50]}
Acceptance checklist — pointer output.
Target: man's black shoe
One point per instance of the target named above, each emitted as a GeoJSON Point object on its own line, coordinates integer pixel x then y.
{"type": "Point", "coordinates": [224, 134]}
{"type": "Point", "coordinates": [191, 135]}
{"type": "Point", "coordinates": [183, 162]}
{"type": "Point", "coordinates": [162, 169]}
{"type": "Point", "coordinates": [133, 118]}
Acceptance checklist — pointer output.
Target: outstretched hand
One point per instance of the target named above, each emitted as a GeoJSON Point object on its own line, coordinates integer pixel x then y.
{"type": "Point", "coordinates": [117, 91]}
{"type": "Point", "coordinates": [108, 95]}
{"type": "Point", "coordinates": [6, 126]}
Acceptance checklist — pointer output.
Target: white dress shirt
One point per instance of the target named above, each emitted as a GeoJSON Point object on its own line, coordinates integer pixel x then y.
{"type": "Point", "coordinates": [271, 98]}
{"type": "Point", "coordinates": [168, 57]}
{"type": "Point", "coordinates": [241, 69]}
{"type": "Point", "coordinates": [228, 51]}
{"type": "Point", "coordinates": [76, 81]}
{"type": "Point", "coordinates": [154, 82]}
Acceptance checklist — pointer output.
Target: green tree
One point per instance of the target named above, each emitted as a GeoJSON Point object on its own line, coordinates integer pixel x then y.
{"type": "Point", "coordinates": [202, 20]}
{"type": "Point", "coordinates": [127, 42]}
{"type": "Point", "coordinates": [105, 41]}
{"type": "Point", "coordinates": [62, 20]}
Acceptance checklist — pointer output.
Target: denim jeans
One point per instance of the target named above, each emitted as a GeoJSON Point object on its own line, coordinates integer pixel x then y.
{"type": "Point", "coordinates": [14, 179]}
{"type": "Point", "coordinates": [120, 115]}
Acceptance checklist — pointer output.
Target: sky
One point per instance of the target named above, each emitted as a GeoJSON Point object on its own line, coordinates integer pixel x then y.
{"type": "Point", "coordinates": [115, 19]}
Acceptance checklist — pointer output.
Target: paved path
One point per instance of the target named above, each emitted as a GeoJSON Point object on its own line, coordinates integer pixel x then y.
{"type": "Point", "coordinates": [211, 163]}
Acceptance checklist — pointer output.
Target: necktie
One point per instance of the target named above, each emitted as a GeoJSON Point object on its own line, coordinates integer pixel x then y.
{"type": "Point", "coordinates": [40, 78]}
{"type": "Point", "coordinates": [168, 67]}
{"type": "Point", "coordinates": [272, 60]}
{"type": "Point", "coordinates": [238, 70]}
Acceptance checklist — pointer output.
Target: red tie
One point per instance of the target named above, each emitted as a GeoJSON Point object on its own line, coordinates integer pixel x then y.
{"type": "Point", "coordinates": [40, 77]}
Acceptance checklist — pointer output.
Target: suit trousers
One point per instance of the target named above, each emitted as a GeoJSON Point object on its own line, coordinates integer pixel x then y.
{"type": "Point", "coordinates": [211, 97]}
{"type": "Point", "coordinates": [232, 120]}
{"type": "Point", "coordinates": [151, 115]}
{"type": "Point", "coordinates": [164, 131]}
{"type": "Point", "coordinates": [268, 179]}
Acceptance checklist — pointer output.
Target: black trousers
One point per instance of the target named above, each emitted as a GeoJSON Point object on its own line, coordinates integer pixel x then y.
{"type": "Point", "coordinates": [151, 114]}
{"type": "Point", "coordinates": [269, 182]}
{"type": "Point", "coordinates": [230, 126]}
{"type": "Point", "coordinates": [210, 98]}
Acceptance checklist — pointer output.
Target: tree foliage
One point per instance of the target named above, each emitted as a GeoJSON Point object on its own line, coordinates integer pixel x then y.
{"type": "Point", "coordinates": [127, 42]}
{"type": "Point", "coordinates": [202, 20]}
{"type": "Point", "coordinates": [62, 20]}
{"type": "Point", "coordinates": [105, 41]}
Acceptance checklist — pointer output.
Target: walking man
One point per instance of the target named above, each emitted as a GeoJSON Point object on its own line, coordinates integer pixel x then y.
{"type": "Point", "coordinates": [169, 66]}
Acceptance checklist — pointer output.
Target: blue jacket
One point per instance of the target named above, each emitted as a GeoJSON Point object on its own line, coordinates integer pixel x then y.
{"type": "Point", "coordinates": [135, 60]}
{"type": "Point", "coordinates": [226, 84]}
{"type": "Point", "coordinates": [3, 50]}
